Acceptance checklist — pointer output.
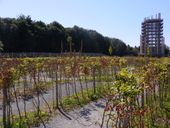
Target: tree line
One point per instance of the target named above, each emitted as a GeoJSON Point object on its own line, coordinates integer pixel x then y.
{"type": "Point", "coordinates": [23, 34]}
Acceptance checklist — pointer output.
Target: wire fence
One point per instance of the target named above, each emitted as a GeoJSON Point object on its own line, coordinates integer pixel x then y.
{"type": "Point", "coordinates": [45, 54]}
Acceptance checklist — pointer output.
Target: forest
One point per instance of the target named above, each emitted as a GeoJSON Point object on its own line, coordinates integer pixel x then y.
{"type": "Point", "coordinates": [22, 34]}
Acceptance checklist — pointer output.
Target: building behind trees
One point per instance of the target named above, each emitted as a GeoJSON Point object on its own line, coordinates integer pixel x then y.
{"type": "Point", "coordinates": [152, 40]}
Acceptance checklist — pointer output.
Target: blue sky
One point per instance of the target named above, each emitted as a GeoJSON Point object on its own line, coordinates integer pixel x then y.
{"type": "Point", "coordinates": [114, 18]}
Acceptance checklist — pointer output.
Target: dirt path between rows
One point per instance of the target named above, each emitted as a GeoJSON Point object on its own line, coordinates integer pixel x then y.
{"type": "Point", "coordinates": [89, 116]}
{"type": "Point", "coordinates": [48, 96]}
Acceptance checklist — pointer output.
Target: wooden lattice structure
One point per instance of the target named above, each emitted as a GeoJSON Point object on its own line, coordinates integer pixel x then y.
{"type": "Point", "coordinates": [152, 40]}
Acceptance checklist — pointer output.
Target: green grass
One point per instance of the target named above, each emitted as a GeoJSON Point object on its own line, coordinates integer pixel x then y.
{"type": "Point", "coordinates": [32, 120]}
{"type": "Point", "coordinates": [72, 102]}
